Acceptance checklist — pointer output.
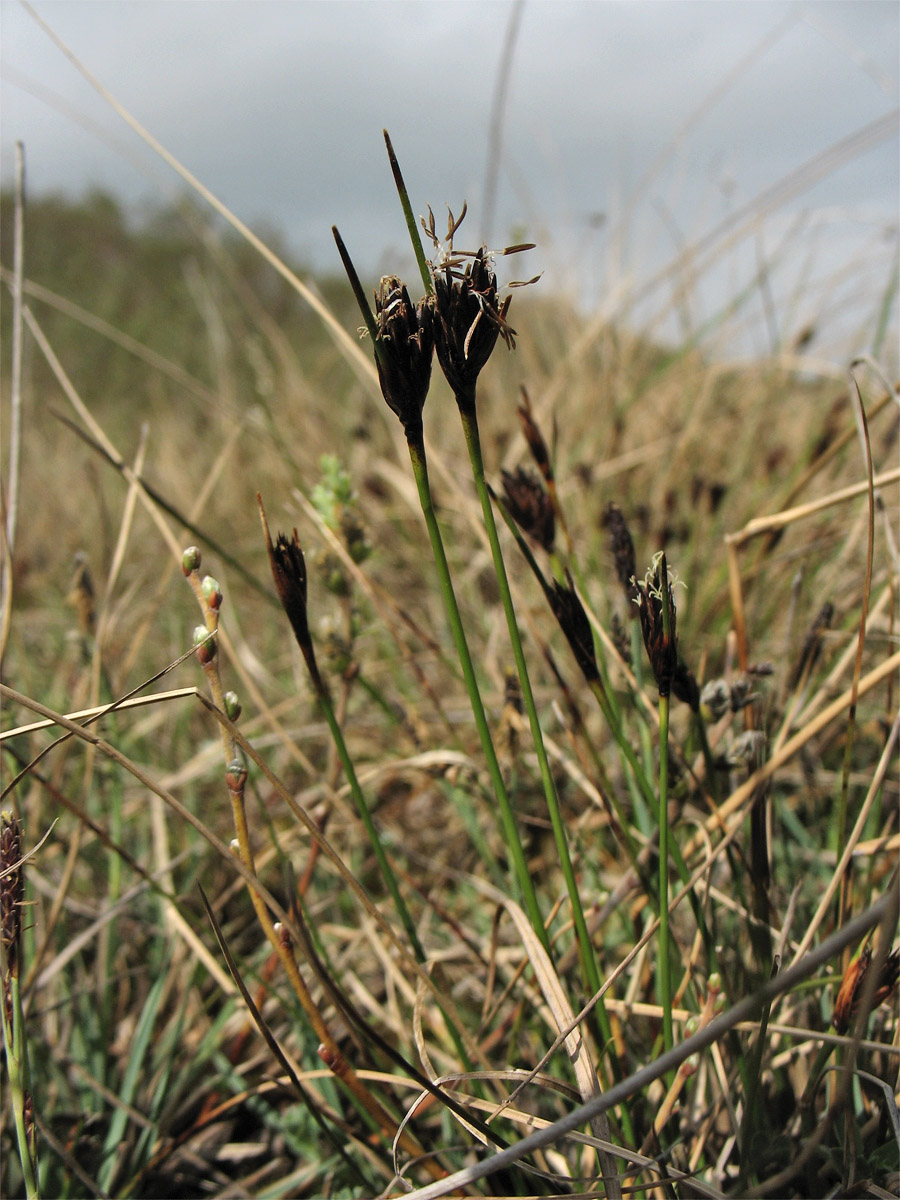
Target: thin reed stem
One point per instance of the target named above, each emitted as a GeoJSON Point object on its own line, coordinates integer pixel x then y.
{"type": "Point", "coordinates": [585, 947]}
{"type": "Point", "coordinates": [508, 824]}
{"type": "Point", "coordinates": [665, 983]}
{"type": "Point", "coordinates": [387, 871]}
{"type": "Point", "coordinates": [587, 957]}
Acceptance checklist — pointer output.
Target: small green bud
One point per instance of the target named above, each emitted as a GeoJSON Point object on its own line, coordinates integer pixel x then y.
{"type": "Point", "coordinates": [212, 593]}
{"type": "Point", "coordinates": [236, 775]}
{"type": "Point", "coordinates": [690, 1065]}
{"type": "Point", "coordinates": [190, 560]}
{"type": "Point", "coordinates": [205, 643]}
{"type": "Point", "coordinates": [232, 706]}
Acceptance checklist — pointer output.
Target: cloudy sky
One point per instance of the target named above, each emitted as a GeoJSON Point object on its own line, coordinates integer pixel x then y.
{"type": "Point", "coordinates": [631, 133]}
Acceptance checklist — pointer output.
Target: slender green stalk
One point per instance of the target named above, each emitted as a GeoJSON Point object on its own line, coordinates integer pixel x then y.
{"type": "Point", "coordinates": [585, 947]}
{"type": "Point", "coordinates": [12, 1018]}
{"type": "Point", "coordinates": [665, 983]}
{"type": "Point", "coordinates": [507, 818]}
{"type": "Point", "coordinates": [387, 871]}
{"type": "Point", "coordinates": [17, 1065]}
{"type": "Point", "coordinates": [587, 958]}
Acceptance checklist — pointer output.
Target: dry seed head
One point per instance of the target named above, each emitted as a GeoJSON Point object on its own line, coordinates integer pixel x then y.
{"type": "Point", "coordinates": [748, 750]}
{"type": "Point", "coordinates": [530, 506]}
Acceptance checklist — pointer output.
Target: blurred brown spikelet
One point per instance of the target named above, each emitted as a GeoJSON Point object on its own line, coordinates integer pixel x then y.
{"type": "Point", "coordinates": [812, 643]}
{"type": "Point", "coordinates": [535, 439]}
{"type": "Point", "coordinates": [850, 993]}
{"type": "Point", "coordinates": [530, 506]}
{"type": "Point", "coordinates": [622, 549]}
{"type": "Point", "coordinates": [81, 595]}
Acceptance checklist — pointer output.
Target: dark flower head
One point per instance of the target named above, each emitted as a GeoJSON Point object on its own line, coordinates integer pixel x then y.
{"type": "Point", "coordinates": [468, 320]}
{"type": "Point", "coordinates": [622, 548]}
{"type": "Point", "coordinates": [685, 686]}
{"type": "Point", "coordinates": [530, 506]}
{"type": "Point", "coordinates": [12, 893]}
{"type": "Point", "coordinates": [573, 620]}
{"type": "Point", "coordinates": [404, 344]}
{"type": "Point", "coordinates": [656, 608]}
{"type": "Point", "coordinates": [289, 572]}
{"type": "Point", "coordinates": [535, 439]}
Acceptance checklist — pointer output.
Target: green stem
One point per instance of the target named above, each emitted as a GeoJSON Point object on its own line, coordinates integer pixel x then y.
{"type": "Point", "coordinates": [665, 984]}
{"type": "Point", "coordinates": [387, 871]}
{"type": "Point", "coordinates": [507, 819]}
{"type": "Point", "coordinates": [585, 948]}
{"type": "Point", "coordinates": [17, 1067]}
{"type": "Point", "coordinates": [587, 957]}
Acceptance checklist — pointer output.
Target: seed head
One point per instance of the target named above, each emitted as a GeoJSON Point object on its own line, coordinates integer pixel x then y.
{"type": "Point", "coordinates": [530, 506]}
{"type": "Point", "coordinates": [404, 344]}
{"type": "Point", "coordinates": [468, 320]}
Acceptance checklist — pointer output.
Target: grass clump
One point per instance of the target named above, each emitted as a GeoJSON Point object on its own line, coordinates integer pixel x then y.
{"type": "Point", "coordinates": [498, 864]}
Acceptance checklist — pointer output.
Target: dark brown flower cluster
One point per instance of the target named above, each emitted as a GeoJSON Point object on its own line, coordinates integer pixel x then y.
{"type": "Point", "coordinates": [622, 549]}
{"type": "Point", "coordinates": [289, 573]}
{"type": "Point", "coordinates": [573, 620]}
{"type": "Point", "coordinates": [469, 317]}
{"type": "Point", "coordinates": [530, 506]}
{"type": "Point", "coordinates": [655, 599]}
{"type": "Point", "coordinates": [404, 345]}
{"type": "Point", "coordinates": [12, 891]}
